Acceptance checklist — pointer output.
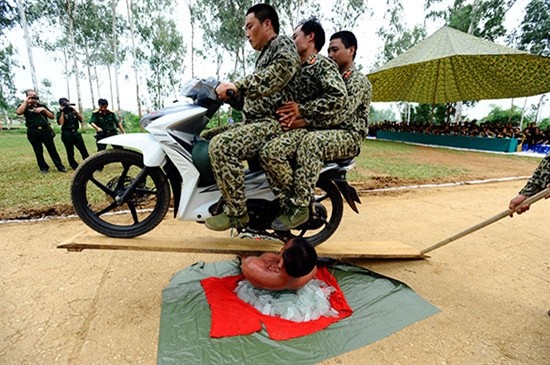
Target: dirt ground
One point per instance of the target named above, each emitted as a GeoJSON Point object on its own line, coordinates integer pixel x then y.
{"type": "Point", "coordinates": [103, 307]}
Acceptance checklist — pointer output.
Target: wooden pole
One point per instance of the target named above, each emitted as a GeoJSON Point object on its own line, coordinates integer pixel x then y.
{"type": "Point", "coordinates": [485, 223]}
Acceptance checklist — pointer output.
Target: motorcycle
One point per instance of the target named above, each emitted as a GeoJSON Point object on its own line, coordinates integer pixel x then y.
{"type": "Point", "coordinates": [125, 193]}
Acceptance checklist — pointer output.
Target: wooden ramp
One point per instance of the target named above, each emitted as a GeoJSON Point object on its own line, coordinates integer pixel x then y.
{"type": "Point", "coordinates": [89, 240]}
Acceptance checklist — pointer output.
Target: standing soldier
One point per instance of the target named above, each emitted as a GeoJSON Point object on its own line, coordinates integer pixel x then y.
{"type": "Point", "coordinates": [68, 118]}
{"type": "Point", "coordinates": [39, 131]}
{"type": "Point", "coordinates": [105, 123]}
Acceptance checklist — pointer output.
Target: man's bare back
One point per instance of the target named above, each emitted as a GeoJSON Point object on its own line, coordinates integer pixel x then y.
{"type": "Point", "coordinates": [267, 271]}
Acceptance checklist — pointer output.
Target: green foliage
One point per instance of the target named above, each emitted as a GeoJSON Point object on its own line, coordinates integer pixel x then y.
{"type": "Point", "coordinates": [544, 124]}
{"type": "Point", "coordinates": [484, 19]}
{"type": "Point", "coordinates": [130, 122]}
{"type": "Point", "coordinates": [502, 116]}
{"type": "Point", "coordinates": [533, 34]}
{"type": "Point", "coordinates": [7, 86]}
{"type": "Point", "coordinates": [223, 27]}
{"type": "Point", "coordinates": [8, 16]}
{"type": "Point", "coordinates": [165, 64]}
{"type": "Point", "coordinates": [397, 39]}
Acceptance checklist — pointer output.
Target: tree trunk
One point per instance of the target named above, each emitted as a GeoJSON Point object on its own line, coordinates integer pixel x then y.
{"type": "Point", "coordinates": [539, 105]}
{"type": "Point", "coordinates": [115, 58]}
{"type": "Point", "coordinates": [89, 68]}
{"type": "Point", "coordinates": [473, 22]}
{"type": "Point", "coordinates": [28, 43]}
{"type": "Point", "coordinates": [73, 51]}
{"type": "Point", "coordinates": [522, 114]}
{"type": "Point", "coordinates": [67, 77]}
{"type": "Point", "coordinates": [190, 6]}
{"type": "Point", "coordinates": [136, 75]}
{"type": "Point", "coordinates": [110, 85]}
{"type": "Point", "coordinates": [96, 85]}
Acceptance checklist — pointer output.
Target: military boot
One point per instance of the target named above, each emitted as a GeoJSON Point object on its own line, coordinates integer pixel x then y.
{"type": "Point", "coordinates": [292, 218]}
{"type": "Point", "coordinates": [222, 222]}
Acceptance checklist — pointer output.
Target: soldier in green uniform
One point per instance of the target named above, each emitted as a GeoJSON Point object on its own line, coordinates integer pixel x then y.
{"type": "Point", "coordinates": [105, 123]}
{"type": "Point", "coordinates": [69, 119]}
{"type": "Point", "coordinates": [321, 102]}
{"type": "Point", "coordinates": [39, 131]}
{"type": "Point", "coordinates": [259, 95]}
{"type": "Point", "coordinates": [539, 181]}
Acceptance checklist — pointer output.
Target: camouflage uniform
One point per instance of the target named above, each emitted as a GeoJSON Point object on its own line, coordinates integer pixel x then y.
{"type": "Point", "coordinates": [326, 145]}
{"type": "Point", "coordinates": [321, 94]}
{"type": "Point", "coordinates": [540, 179]}
{"type": "Point", "coordinates": [260, 94]}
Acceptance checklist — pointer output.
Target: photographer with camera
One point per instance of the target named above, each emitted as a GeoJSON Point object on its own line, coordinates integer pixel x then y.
{"type": "Point", "coordinates": [69, 118]}
{"type": "Point", "coordinates": [39, 130]}
{"type": "Point", "coordinates": [105, 123]}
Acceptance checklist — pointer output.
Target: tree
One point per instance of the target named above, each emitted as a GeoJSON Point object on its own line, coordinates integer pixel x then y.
{"type": "Point", "coordinates": [533, 34]}
{"type": "Point", "coordinates": [223, 26]}
{"type": "Point", "coordinates": [8, 19]}
{"type": "Point", "coordinates": [23, 20]}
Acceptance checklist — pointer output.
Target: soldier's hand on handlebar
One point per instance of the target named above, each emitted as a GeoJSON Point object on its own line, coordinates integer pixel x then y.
{"type": "Point", "coordinates": [224, 88]}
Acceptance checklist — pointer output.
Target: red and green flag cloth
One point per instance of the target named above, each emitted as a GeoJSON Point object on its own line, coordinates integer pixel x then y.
{"type": "Point", "coordinates": [380, 306]}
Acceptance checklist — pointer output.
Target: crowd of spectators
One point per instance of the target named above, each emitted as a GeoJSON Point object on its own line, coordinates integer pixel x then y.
{"type": "Point", "coordinates": [531, 135]}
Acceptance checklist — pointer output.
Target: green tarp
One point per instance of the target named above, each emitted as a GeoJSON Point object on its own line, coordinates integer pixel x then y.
{"type": "Point", "coordinates": [381, 306]}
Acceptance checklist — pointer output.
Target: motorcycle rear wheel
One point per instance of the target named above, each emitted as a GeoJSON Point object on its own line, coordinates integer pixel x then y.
{"type": "Point", "coordinates": [326, 213]}
{"type": "Point", "coordinates": [100, 182]}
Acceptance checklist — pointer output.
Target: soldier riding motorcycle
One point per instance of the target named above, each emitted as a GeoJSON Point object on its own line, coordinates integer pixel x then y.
{"type": "Point", "coordinates": [125, 193]}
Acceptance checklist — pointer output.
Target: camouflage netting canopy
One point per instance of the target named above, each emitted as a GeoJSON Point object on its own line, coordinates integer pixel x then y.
{"type": "Point", "coordinates": [451, 66]}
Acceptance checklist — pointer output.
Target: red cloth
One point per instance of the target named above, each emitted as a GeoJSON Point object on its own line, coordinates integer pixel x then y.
{"type": "Point", "coordinates": [232, 317]}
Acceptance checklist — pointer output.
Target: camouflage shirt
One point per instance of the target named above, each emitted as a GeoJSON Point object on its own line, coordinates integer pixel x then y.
{"type": "Point", "coordinates": [358, 102]}
{"type": "Point", "coordinates": [540, 179]}
{"type": "Point", "coordinates": [320, 91]}
{"type": "Point", "coordinates": [275, 67]}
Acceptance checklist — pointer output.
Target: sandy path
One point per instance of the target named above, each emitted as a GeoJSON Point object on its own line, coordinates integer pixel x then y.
{"type": "Point", "coordinates": [103, 307]}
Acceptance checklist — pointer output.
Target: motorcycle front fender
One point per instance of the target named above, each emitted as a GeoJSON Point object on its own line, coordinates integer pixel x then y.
{"type": "Point", "coordinates": [153, 154]}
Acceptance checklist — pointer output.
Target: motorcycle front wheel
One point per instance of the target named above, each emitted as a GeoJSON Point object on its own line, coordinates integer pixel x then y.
{"type": "Point", "coordinates": [115, 195]}
{"type": "Point", "coordinates": [325, 214]}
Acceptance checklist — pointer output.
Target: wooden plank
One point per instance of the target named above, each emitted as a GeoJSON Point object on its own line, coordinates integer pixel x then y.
{"type": "Point", "coordinates": [225, 245]}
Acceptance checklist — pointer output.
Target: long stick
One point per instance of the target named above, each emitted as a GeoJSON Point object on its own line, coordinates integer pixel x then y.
{"type": "Point", "coordinates": [485, 223]}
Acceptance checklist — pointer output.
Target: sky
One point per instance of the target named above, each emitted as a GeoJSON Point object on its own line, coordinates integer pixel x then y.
{"type": "Point", "coordinates": [369, 47]}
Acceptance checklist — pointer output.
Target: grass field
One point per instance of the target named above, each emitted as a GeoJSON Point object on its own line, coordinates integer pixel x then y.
{"type": "Point", "coordinates": [26, 193]}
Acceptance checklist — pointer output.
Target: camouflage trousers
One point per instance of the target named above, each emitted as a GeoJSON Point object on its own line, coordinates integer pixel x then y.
{"type": "Point", "coordinates": [227, 150]}
{"type": "Point", "coordinates": [276, 158]}
{"type": "Point", "coordinates": [311, 150]}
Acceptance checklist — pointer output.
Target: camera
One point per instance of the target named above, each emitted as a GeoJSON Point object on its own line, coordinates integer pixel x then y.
{"type": "Point", "coordinates": [67, 105]}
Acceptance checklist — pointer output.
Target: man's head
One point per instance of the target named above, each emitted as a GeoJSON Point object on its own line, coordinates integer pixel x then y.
{"type": "Point", "coordinates": [261, 24]}
{"type": "Point", "coordinates": [307, 34]}
{"type": "Point", "coordinates": [103, 104]}
{"type": "Point", "coordinates": [299, 257]}
{"type": "Point", "coordinates": [343, 48]}
{"type": "Point", "coordinates": [32, 97]}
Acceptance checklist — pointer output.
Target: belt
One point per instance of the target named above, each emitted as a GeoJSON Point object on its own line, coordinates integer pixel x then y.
{"type": "Point", "coordinates": [38, 127]}
{"type": "Point", "coordinates": [68, 130]}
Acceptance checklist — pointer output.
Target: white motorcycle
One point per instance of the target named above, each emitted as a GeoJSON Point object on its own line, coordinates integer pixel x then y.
{"type": "Point", "coordinates": [125, 193]}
